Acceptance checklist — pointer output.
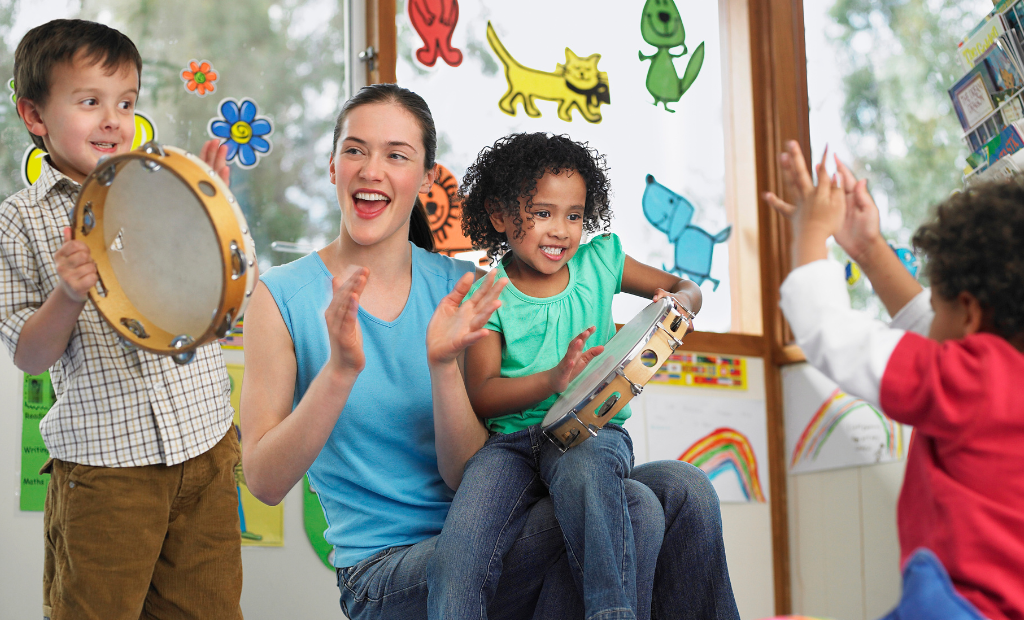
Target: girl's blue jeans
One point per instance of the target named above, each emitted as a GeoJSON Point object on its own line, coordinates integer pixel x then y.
{"type": "Point", "coordinates": [664, 498]}
{"type": "Point", "coordinates": [587, 486]}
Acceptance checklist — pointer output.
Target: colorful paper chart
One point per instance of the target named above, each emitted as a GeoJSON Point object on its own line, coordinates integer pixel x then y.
{"type": "Point", "coordinates": [37, 399]}
{"type": "Point", "coordinates": [233, 339]}
{"type": "Point", "coordinates": [706, 371]}
{"type": "Point", "coordinates": [262, 525]}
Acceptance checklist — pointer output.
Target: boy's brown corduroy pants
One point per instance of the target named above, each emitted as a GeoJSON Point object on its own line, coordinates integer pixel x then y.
{"type": "Point", "coordinates": [130, 543]}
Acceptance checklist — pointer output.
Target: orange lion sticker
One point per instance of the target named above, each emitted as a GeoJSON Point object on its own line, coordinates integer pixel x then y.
{"type": "Point", "coordinates": [444, 213]}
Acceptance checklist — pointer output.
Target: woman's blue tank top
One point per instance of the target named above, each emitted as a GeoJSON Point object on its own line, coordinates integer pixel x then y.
{"type": "Point", "coordinates": [377, 476]}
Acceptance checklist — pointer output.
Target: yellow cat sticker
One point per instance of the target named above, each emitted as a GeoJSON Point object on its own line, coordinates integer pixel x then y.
{"type": "Point", "coordinates": [576, 84]}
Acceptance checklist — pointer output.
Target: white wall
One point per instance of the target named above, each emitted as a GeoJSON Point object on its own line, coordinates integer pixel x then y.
{"type": "Point", "coordinates": [747, 528]}
{"type": "Point", "coordinates": [844, 549]}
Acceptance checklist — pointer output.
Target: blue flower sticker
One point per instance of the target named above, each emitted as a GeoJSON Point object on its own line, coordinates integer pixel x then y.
{"type": "Point", "coordinates": [246, 135]}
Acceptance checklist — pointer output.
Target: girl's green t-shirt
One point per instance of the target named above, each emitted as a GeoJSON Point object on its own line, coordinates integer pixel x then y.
{"type": "Point", "coordinates": [537, 331]}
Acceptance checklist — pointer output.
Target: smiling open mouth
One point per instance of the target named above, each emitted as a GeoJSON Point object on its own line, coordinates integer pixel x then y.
{"type": "Point", "coordinates": [369, 204]}
{"type": "Point", "coordinates": [552, 252]}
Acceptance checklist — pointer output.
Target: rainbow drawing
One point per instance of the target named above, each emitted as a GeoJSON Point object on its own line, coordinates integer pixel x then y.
{"type": "Point", "coordinates": [726, 449]}
{"type": "Point", "coordinates": [838, 405]}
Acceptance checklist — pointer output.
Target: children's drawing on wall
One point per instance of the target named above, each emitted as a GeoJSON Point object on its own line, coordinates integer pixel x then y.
{"type": "Point", "coordinates": [32, 160]}
{"type": "Point", "coordinates": [261, 525]}
{"type": "Point", "coordinates": [444, 213]}
{"type": "Point", "coordinates": [315, 524]}
{"type": "Point", "coordinates": [727, 451]}
{"type": "Point", "coordinates": [576, 84]}
{"type": "Point", "coordinates": [662, 27]}
{"type": "Point", "coordinates": [725, 436]}
{"type": "Point", "coordinates": [672, 214]}
{"type": "Point", "coordinates": [827, 428]}
{"type": "Point", "coordinates": [435, 21]}
{"type": "Point", "coordinates": [239, 483]}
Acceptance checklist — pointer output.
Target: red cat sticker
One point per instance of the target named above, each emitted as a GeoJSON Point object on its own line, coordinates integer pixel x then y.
{"type": "Point", "coordinates": [435, 22]}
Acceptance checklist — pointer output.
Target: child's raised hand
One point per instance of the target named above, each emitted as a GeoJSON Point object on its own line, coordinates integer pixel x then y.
{"type": "Point", "coordinates": [574, 361]}
{"type": "Point", "coordinates": [215, 155]}
{"type": "Point", "coordinates": [342, 318]}
{"type": "Point", "coordinates": [76, 269]}
{"type": "Point", "coordinates": [860, 231]}
{"type": "Point", "coordinates": [456, 325]}
{"type": "Point", "coordinates": [818, 210]}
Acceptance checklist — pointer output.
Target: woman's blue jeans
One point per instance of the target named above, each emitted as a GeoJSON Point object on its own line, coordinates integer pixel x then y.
{"type": "Point", "coordinates": [691, 577]}
{"type": "Point", "coordinates": [587, 486]}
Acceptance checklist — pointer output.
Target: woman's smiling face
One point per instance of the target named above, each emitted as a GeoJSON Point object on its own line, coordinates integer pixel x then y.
{"type": "Point", "coordinates": [378, 169]}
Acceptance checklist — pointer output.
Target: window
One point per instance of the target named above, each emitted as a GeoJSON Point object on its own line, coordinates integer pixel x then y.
{"type": "Point", "coordinates": [877, 81]}
{"type": "Point", "coordinates": [289, 58]}
{"type": "Point", "coordinates": [684, 150]}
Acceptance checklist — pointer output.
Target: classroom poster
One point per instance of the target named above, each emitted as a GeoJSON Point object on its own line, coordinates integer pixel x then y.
{"type": "Point", "coordinates": [725, 437]}
{"type": "Point", "coordinates": [703, 371]}
{"type": "Point", "coordinates": [827, 428]}
{"type": "Point", "coordinates": [37, 399]}
{"type": "Point", "coordinates": [262, 525]}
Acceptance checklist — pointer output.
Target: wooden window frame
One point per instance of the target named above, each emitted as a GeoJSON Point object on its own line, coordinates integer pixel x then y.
{"type": "Point", "coordinates": [777, 92]}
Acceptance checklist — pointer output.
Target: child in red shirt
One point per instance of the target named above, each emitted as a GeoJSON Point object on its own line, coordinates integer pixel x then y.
{"type": "Point", "coordinates": [963, 494]}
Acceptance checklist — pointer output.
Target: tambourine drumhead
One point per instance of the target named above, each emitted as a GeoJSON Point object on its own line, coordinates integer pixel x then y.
{"type": "Point", "coordinates": [171, 246]}
{"type": "Point", "coordinates": [613, 377]}
{"type": "Point", "coordinates": [623, 346]}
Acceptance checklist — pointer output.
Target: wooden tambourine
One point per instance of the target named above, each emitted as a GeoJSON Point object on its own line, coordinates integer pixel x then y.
{"type": "Point", "coordinates": [619, 373]}
{"type": "Point", "coordinates": [172, 249]}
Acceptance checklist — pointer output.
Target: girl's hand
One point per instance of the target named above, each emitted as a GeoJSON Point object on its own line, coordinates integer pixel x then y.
{"type": "Point", "coordinates": [215, 155]}
{"type": "Point", "coordinates": [456, 325]}
{"type": "Point", "coordinates": [860, 232]}
{"type": "Point", "coordinates": [683, 299]}
{"type": "Point", "coordinates": [575, 360]}
{"type": "Point", "coordinates": [342, 317]}
{"type": "Point", "coordinates": [76, 270]}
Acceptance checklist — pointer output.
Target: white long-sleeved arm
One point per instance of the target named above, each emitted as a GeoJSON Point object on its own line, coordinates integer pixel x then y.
{"type": "Point", "coordinates": [917, 315]}
{"type": "Point", "coordinates": [846, 345]}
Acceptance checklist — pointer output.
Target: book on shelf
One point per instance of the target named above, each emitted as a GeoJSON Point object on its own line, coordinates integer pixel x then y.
{"type": "Point", "coordinates": [987, 99]}
{"type": "Point", "coordinates": [1005, 168]}
{"type": "Point", "coordinates": [980, 39]}
{"type": "Point", "coordinates": [1008, 142]}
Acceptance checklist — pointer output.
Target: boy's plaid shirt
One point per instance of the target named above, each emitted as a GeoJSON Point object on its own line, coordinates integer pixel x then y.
{"type": "Point", "coordinates": [115, 407]}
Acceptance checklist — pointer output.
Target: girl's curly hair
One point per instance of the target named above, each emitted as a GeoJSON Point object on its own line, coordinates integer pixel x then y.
{"type": "Point", "coordinates": [975, 244]}
{"type": "Point", "coordinates": [511, 168]}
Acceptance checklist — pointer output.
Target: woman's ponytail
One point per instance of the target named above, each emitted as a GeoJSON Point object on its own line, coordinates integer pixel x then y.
{"type": "Point", "coordinates": [419, 227]}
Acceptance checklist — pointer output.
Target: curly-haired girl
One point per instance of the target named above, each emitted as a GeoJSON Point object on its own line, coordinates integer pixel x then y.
{"type": "Point", "coordinates": [529, 199]}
